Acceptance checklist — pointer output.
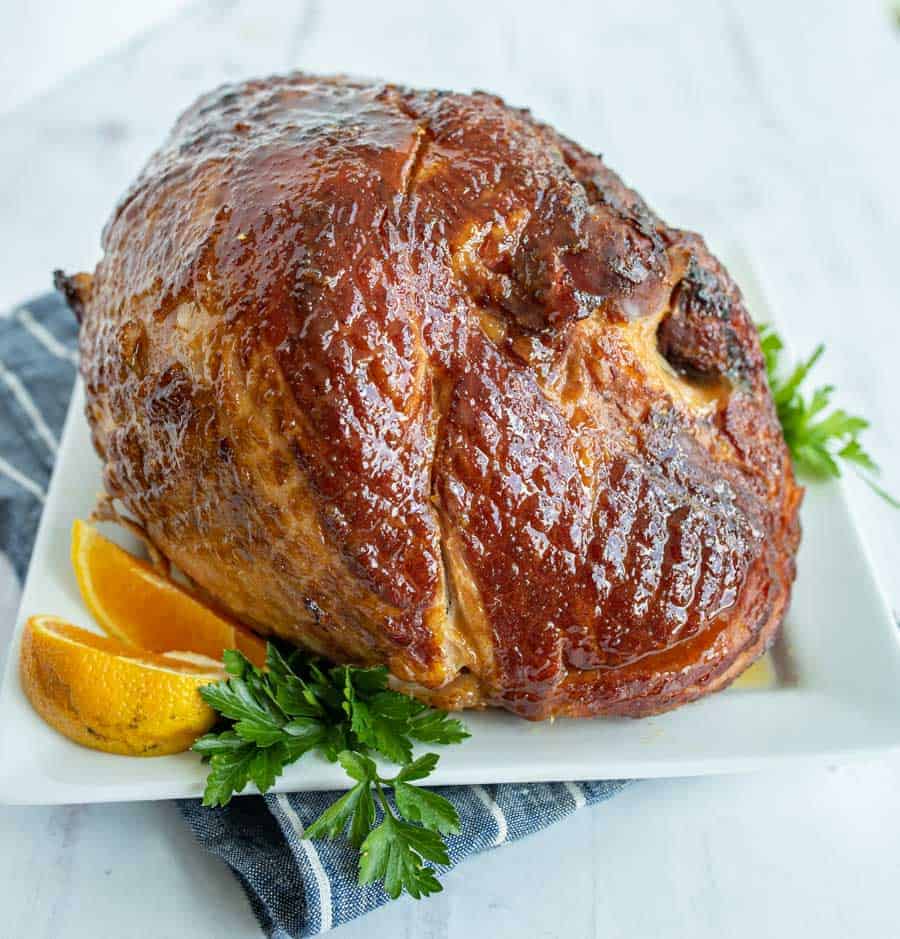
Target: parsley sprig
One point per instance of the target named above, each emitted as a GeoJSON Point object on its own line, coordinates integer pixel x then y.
{"type": "Point", "coordinates": [395, 851]}
{"type": "Point", "coordinates": [296, 705]}
{"type": "Point", "coordinates": [818, 441]}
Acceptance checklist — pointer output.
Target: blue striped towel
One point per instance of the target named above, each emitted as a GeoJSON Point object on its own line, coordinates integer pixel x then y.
{"type": "Point", "coordinates": [296, 887]}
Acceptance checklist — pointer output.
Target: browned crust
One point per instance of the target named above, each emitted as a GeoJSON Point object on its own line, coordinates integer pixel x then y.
{"type": "Point", "coordinates": [406, 377]}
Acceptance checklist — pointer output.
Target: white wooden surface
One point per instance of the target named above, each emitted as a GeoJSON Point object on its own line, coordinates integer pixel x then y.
{"type": "Point", "coordinates": [772, 127]}
{"type": "Point", "coordinates": [45, 40]}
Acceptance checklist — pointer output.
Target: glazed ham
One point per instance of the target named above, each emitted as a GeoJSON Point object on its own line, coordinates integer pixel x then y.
{"type": "Point", "coordinates": [406, 377]}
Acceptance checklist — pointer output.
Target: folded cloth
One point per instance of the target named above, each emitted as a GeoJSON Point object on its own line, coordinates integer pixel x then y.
{"type": "Point", "coordinates": [295, 886]}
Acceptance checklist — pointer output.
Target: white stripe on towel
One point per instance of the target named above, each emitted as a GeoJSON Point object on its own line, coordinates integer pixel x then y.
{"type": "Point", "coordinates": [576, 793]}
{"type": "Point", "coordinates": [496, 811]}
{"type": "Point", "coordinates": [17, 477]}
{"type": "Point", "coordinates": [26, 403]}
{"type": "Point", "coordinates": [45, 337]}
{"type": "Point", "coordinates": [322, 881]}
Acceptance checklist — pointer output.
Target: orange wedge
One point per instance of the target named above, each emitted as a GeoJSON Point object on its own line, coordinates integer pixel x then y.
{"type": "Point", "coordinates": [108, 695]}
{"type": "Point", "coordinates": [133, 602]}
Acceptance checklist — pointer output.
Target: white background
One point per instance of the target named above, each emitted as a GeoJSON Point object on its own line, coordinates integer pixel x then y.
{"type": "Point", "coordinates": [773, 128]}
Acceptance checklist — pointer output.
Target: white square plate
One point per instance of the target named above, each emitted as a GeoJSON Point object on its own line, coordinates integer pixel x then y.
{"type": "Point", "coordinates": [831, 687]}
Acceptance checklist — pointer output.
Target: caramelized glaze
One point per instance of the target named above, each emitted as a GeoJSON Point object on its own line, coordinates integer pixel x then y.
{"type": "Point", "coordinates": [407, 377]}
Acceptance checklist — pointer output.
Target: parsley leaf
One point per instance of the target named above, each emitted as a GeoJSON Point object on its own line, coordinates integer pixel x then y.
{"type": "Point", "coordinates": [817, 443]}
{"type": "Point", "coordinates": [427, 808]}
{"type": "Point", "coordinates": [230, 765]}
{"type": "Point", "coordinates": [355, 807]}
{"type": "Point", "coordinates": [297, 704]}
{"type": "Point", "coordinates": [418, 769]}
{"type": "Point", "coordinates": [395, 853]}
{"type": "Point", "coordinates": [380, 730]}
{"type": "Point", "coordinates": [437, 727]}
{"type": "Point", "coordinates": [256, 720]}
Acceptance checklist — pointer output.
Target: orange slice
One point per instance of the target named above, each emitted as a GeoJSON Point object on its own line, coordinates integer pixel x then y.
{"type": "Point", "coordinates": [108, 695]}
{"type": "Point", "coordinates": [133, 602]}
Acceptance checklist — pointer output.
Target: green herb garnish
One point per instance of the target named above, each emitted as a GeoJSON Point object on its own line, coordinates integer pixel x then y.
{"type": "Point", "coordinates": [817, 441]}
{"type": "Point", "coordinates": [298, 704]}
